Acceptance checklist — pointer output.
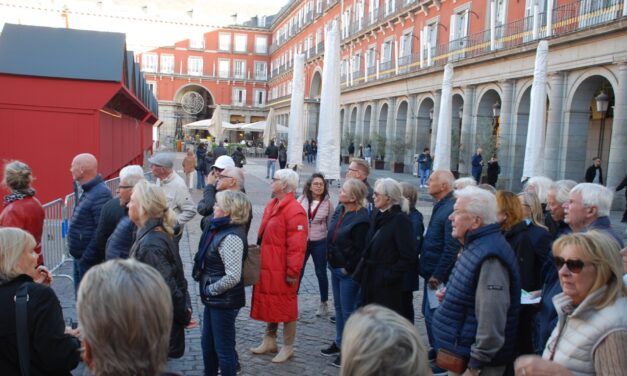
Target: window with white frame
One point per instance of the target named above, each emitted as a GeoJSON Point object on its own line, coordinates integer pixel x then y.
{"type": "Point", "coordinates": [386, 51]}
{"type": "Point", "coordinates": [289, 87]}
{"type": "Point", "coordinates": [405, 47]}
{"type": "Point", "coordinates": [239, 69]}
{"type": "Point", "coordinates": [319, 6]}
{"type": "Point", "coordinates": [359, 14]}
{"type": "Point", "coordinates": [223, 68]}
{"type": "Point", "coordinates": [430, 42]}
{"type": "Point", "coordinates": [224, 42]}
{"type": "Point", "coordinates": [371, 57]}
{"type": "Point", "coordinates": [357, 62]}
{"type": "Point", "coordinates": [259, 97]}
{"type": "Point", "coordinates": [149, 62]}
{"type": "Point", "coordinates": [261, 44]}
{"type": "Point", "coordinates": [241, 41]}
{"type": "Point", "coordinates": [152, 85]}
{"type": "Point", "coordinates": [261, 70]}
{"type": "Point", "coordinates": [239, 96]}
{"type": "Point", "coordinates": [459, 24]}
{"type": "Point", "coordinates": [167, 64]}
{"type": "Point", "coordinates": [197, 41]}
{"type": "Point", "coordinates": [388, 7]}
{"type": "Point", "coordinates": [344, 68]}
{"type": "Point", "coordinates": [373, 10]}
{"type": "Point", "coordinates": [346, 22]}
{"type": "Point", "coordinates": [194, 66]}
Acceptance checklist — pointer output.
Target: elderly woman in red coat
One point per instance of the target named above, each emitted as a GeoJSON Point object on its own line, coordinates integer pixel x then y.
{"type": "Point", "coordinates": [21, 209]}
{"type": "Point", "coordinates": [283, 236]}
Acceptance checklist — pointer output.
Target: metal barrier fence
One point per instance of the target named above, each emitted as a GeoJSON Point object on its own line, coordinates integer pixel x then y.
{"type": "Point", "coordinates": [57, 224]}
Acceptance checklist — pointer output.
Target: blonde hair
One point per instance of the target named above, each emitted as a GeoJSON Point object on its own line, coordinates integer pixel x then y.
{"type": "Point", "coordinates": [410, 192]}
{"type": "Point", "coordinates": [602, 251]}
{"type": "Point", "coordinates": [13, 242]}
{"type": "Point", "coordinates": [18, 176]}
{"type": "Point", "coordinates": [378, 341]}
{"type": "Point", "coordinates": [531, 200]}
{"type": "Point", "coordinates": [236, 204]}
{"type": "Point", "coordinates": [358, 189]}
{"type": "Point", "coordinates": [152, 203]}
{"type": "Point", "coordinates": [508, 203]}
{"type": "Point", "coordinates": [392, 189]}
{"type": "Point", "coordinates": [132, 335]}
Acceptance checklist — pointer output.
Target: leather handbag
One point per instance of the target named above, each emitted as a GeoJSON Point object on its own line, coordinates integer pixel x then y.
{"type": "Point", "coordinates": [451, 362]}
{"type": "Point", "coordinates": [252, 265]}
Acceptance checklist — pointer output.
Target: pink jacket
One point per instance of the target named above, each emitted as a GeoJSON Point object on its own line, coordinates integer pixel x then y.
{"type": "Point", "coordinates": [319, 226]}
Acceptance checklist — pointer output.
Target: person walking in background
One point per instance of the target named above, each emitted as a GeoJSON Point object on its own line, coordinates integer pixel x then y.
{"type": "Point", "coordinates": [314, 150]}
{"type": "Point", "coordinates": [81, 235]}
{"type": "Point", "coordinates": [319, 208]}
{"type": "Point", "coordinates": [307, 151]}
{"type": "Point", "coordinates": [189, 166]}
{"type": "Point", "coordinates": [220, 150]}
{"type": "Point", "coordinates": [623, 185]}
{"type": "Point", "coordinates": [282, 156]}
{"type": "Point", "coordinates": [493, 170]}
{"type": "Point", "coordinates": [20, 208]}
{"type": "Point", "coordinates": [368, 154]}
{"type": "Point", "coordinates": [272, 152]}
{"type": "Point", "coordinates": [594, 173]}
{"type": "Point", "coordinates": [201, 166]}
{"type": "Point", "coordinates": [351, 151]}
{"type": "Point", "coordinates": [238, 157]}
{"type": "Point", "coordinates": [346, 240]}
{"type": "Point", "coordinates": [477, 165]}
{"type": "Point", "coordinates": [425, 162]}
{"type": "Point", "coordinates": [283, 239]}
{"type": "Point", "coordinates": [360, 153]}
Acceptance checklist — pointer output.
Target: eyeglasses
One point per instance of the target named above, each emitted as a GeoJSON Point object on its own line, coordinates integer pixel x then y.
{"type": "Point", "coordinates": [275, 179]}
{"type": "Point", "coordinates": [353, 169]}
{"type": "Point", "coordinates": [317, 183]}
{"type": "Point", "coordinates": [124, 187]}
{"type": "Point", "coordinates": [574, 265]}
{"type": "Point", "coordinates": [225, 177]}
{"type": "Point", "coordinates": [377, 194]}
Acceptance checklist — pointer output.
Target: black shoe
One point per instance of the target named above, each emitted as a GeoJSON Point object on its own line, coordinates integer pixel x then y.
{"type": "Point", "coordinates": [337, 362]}
{"type": "Point", "coordinates": [332, 319]}
{"type": "Point", "coordinates": [331, 350]}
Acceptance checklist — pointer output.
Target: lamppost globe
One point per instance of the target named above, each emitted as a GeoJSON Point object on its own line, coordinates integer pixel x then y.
{"type": "Point", "coordinates": [603, 101]}
{"type": "Point", "coordinates": [496, 109]}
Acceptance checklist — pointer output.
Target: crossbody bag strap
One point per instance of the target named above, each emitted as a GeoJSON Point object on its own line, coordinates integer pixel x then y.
{"type": "Point", "coordinates": [21, 324]}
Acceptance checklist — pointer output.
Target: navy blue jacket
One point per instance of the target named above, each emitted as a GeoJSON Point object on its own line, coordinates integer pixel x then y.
{"type": "Point", "coordinates": [346, 242]}
{"type": "Point", "coordinates": [111, 213]}
{"type": "Point", "coordinates": [439, 248]}
{"type": "Point", "coordinates": [603, 224]}
{"type": "Point", "coordinates": [81, 235]}
{"type": "Point", "coordinates": [476, 166]}
{"type": "Point", "coordinates": [454, 322]}
{"type": "Point", "coordinates": [546, 318]}
{"type": "Point", "coordinates": [121, 241]}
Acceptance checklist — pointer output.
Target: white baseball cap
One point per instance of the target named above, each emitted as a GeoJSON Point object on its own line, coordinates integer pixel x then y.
{"type": "Point", "coordinates": [223, 162]}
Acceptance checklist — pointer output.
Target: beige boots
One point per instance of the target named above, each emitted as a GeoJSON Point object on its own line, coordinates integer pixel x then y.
{"type": "Point", "coordinates": [269, 342]}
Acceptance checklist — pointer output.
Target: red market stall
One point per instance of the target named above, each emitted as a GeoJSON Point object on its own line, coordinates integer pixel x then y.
{"type": "Point", "coordinates": [65, 92]}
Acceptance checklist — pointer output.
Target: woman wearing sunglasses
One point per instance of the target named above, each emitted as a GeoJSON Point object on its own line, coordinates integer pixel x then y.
{"type": "Point", "coordinates": [591, 334]}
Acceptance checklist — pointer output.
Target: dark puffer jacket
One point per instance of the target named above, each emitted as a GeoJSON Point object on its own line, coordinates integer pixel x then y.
{"type": "Point", "coordinates": [81, 236]}
{"type": "Point", "coordinates": [52, 352]}
{"type": "Point", "coordinates": [110, 215]}
{"type": "Point", "coordinates": [346, 241]}
{"type": "Point", "coordinates": [155, 247]}
{"type": "Point", "coordinates": [121, 241]}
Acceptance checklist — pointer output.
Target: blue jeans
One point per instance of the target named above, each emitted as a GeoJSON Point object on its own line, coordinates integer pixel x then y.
{"type": "Point", "coordinates": [345, 298]}
{"type": "Point", "coordinates": [318, 250]}
{"type": "Point", "coordinates": [428, 313]}
{"type": "Point", "coordinates": [218, 341]}
{"type": "Point", "coordinates": [270, 165]}
{"type": "Point", "coordinates": [200, 182]}
{"type": "Point", "coordinates": [424, 175]}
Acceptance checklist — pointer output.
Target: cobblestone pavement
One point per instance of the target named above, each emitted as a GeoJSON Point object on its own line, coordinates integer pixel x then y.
{"type": "Point", "coordinates": [313, 333]}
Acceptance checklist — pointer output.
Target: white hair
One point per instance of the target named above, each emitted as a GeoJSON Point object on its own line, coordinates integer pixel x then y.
{"type": "Point", "coordinates": [132, 170]}
{"type": "Point", "coordinates": [562, 188]}
{"type": "Point", "coordinates": [479, 202]}
{"type": "Point", "coordinates": [541, 185]}
{"type": "Point", "coordinates": [394, 191]}
{"type": "Point", "coordinates": [462, 183]}
{"type": "Point", "coordinates": [595, 195]}
{"type": "Point", "coordinates": [289, 177]}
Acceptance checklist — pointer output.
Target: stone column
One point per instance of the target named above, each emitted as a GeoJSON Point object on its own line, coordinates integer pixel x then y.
{"type": "Point", "coordinates": [617, 168]}
{"type": "Point", "coordinates": [359, 126]}
{"type": "Point", "coordinates": [507, 137]}
{"type": "Point", "coordinates": [389, 134]}
{"type": "Point", "coordinates": [467, 147]}
{"type": "Point", "coordinates": [411, 128]}
{"type": "Point", "coordinates": [436, 114]}
{"type": "Point", "coordinates": [554, 123]}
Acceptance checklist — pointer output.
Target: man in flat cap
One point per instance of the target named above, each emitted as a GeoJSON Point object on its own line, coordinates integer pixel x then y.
{"type": "Point", "coordinates": [176, 192]}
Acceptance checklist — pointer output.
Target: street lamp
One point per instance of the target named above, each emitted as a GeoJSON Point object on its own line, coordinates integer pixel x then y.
{"type": "Point", "coordinates": [430, 120]}
{"type": "Point", "coordinates": [603, 101]}
{"type": "Point", "coordinates": [460, 113]}
{"type": "Point", "coordinates": [496, 112]}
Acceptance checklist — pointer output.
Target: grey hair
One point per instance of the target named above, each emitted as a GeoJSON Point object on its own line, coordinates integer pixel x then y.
{"type": "Point", "coordinates": [393, 190]}
{"type": "Point", "coordinates": [462, 183]}
{"type": "Point", "coordinates": [132, 335]}
{"type": "Point", "coordinates": [13, 242]}
{"type": "Point", "coordinates": [379, 342]}
{"type": "Point", "coordinates": [237, 174]}
{"type": "Point", "coordinates": [447, 177]}
{"type": "Point", "coordinates": [289, 177]}
{"type": "Point", "coordinates": [152, 203]}
{"type": "Point", "coordinates": [562, 189]}
{"type": "Point", "coordinates": [18, 176]}
{"type": "Point", "coordinates": [479, 202]}
{"type": "Point", "coordinates": [134, 171]}
{"type": "Point", "coordinates": [236, 204]}
{"type": "Point", "coordinates": [595, 195]}
{"type": "Point", "coordinates": [541, 185]}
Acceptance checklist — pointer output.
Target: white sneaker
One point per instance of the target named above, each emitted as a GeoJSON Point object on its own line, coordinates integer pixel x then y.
{"type": "Point", "coordinates": [323, 309]}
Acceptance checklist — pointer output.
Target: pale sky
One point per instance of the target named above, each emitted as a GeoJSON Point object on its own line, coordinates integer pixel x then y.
{"type": "Point", "coordinates": [148, 24]}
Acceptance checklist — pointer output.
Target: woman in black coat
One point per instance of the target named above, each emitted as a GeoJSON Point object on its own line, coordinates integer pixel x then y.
{"type": "Point", "coordinates": [391, 251]}
{"type": "Point", "coordinates": [153, 245]}
{"type": "Point", "coordinates": [493, 170]}
{"type": "Point", "coordinates": [53, 348]}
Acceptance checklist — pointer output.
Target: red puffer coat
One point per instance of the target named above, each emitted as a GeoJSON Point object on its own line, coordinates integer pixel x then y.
{"type": "Point", "coordinates": [27, 214]}
{"type": "Point", "coordinates": [284, 241]}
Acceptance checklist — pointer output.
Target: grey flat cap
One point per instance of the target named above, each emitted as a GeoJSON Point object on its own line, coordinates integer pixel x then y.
{"type": "Point", "coordinates": [162, 159]}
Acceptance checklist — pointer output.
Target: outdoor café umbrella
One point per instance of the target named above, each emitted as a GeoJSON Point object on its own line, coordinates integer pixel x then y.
{"type": "Point", "coordinates": [442, 156]}
{"type": "Point", "coordinates": [269, 133]}
{"type": "Point", "coordinates": [216, 123]}
{"type": "Point", "coordinates": [295, 137]}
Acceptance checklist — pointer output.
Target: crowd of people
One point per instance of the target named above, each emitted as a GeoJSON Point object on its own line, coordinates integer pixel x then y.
{"type": "Point", "coordinates": [527, 283]}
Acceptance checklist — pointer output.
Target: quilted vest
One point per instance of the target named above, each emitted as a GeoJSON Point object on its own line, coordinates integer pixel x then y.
{"type": "Point", "coordinates": [454, 322]}
{"type": "Point", "coordinates": [576, 336]}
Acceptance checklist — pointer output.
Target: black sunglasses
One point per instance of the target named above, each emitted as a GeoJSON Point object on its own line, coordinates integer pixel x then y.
{"type": "Point", "coordinates": [574, 265]}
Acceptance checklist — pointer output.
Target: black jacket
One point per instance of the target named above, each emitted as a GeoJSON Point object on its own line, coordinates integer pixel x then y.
{"type": "Point", "coordinates": [272, 152]}
{"type": "Point", "coordinates": [493, 172]}
{"type": "Point", "coordinates": [623, 184]}
{"type": "Point", "coordinates": [110, 215]}
{"type": "Point", "coordinates": [120, 243]}
{"type": "Point", "coordinates": [155, 247]}
{"type": "Point", "coordinates": [346, 238]}
{"type": "Point", "coordinates": [52, 352]}
{"type": "Point", "coordinates": [591, 172]}
{"type": "Point", "coordinates": [520, 241]}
